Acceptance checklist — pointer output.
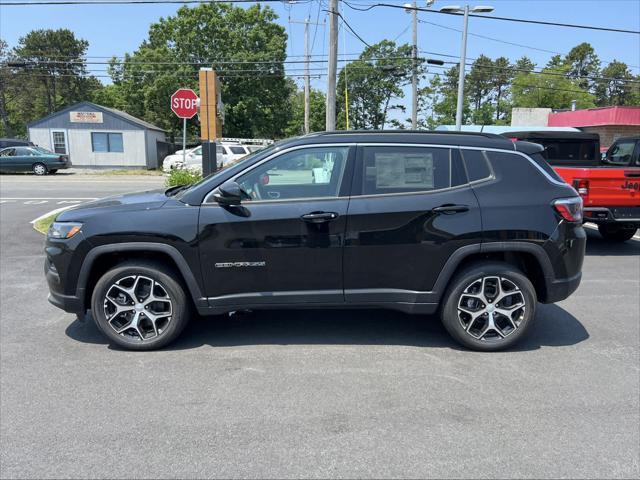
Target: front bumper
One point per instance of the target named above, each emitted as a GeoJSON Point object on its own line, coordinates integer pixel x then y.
{"type": "Point", "coordinates": [57, 297]}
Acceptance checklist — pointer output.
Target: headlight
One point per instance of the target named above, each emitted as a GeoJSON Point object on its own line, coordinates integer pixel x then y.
{"type": "Point", "coordinates": [63, 229]}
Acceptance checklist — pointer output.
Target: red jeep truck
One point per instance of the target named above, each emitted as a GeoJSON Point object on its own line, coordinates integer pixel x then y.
{"type": "Point", "coordinates": [609, 186]}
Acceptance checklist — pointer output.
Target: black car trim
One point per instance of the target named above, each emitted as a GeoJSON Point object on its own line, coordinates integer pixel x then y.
{"type": "Point", "coordinates": [177, 257]}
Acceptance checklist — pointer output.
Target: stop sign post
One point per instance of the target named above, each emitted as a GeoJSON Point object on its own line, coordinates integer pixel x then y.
{"type": "Point", "coordinates": [184, 103]}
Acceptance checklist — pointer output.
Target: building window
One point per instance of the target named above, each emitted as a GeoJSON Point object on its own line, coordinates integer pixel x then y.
{"type": "Point", "coordinates": [106, 142]}
{"type": "Point", "coordinates": [59, 142]}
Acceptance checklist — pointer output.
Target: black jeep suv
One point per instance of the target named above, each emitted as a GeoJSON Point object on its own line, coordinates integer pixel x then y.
{"type": "Point", "coordinates": [470, 225]}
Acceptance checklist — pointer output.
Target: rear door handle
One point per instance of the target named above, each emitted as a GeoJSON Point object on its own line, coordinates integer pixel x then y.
{"type": "Point", "coordinates": [450, 209]}
{"type": "Point", "coordinates": [319, 217]}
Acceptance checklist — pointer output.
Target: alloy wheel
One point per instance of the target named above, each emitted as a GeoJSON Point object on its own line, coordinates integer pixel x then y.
{"type": "Point", "coordinates": [491, 308]}
{"type": "Point", "coordinates": [138, 308]}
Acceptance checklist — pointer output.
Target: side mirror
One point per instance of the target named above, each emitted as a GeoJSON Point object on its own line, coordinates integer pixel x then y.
{"type": "Point", "coordinates": [229, 193]}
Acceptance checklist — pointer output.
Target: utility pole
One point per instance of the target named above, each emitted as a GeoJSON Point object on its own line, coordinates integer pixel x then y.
{"type": "Point", "coordinates": [463, 57]}
{"type": "Point", "coordinates": [307, 80]}
{"type": "Point", "coordinates": [307, 75]}
{"type": "Point", "coordinates": [333, 66]}
{"type": "Point", "coordinates": [414, 74]}
{"type": "Point", "coordinates": [463, 51]}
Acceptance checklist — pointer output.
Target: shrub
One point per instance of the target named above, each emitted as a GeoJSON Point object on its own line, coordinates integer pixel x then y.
{"type": "Point", "coordinates": [183, 177]}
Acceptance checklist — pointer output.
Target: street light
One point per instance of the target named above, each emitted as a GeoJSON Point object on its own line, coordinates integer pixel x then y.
{"type": "Point", "coordinates": [463, 51]}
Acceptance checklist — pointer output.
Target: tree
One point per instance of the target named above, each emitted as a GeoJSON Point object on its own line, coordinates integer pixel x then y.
{"type": "Point", "coordinates": [445, 108]}
{"type": "Point", "coordinates": [617, 86]}
{"type": "Point", "coordinates": [55, 60]}
{"type": "Point", "coordinates": [317, 113]}
{"type": "Point", "coordinates": [501, 80]}
{"type": "Point", "coordinates": [245, 46]}
{"type": "Point", "coordinates": [524, 65]}
{"type": "Point", "coordinates": [479, 82]}
{"type": "Point", "coordinates": [373, 81]}
{"type": "Point", "coordinates": [549, 89]}
{"type": "Point", "coordinates": [6, 77]}
{"type": "Point", "coordinates": [583, 62]}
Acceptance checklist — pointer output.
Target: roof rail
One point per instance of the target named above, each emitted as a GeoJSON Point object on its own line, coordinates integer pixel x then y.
{"type": "Point", "coordinates": [421, 132]}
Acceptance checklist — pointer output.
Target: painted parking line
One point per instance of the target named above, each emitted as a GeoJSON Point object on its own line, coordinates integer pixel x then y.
{"type": "Point", "coordinates": [44, 200]}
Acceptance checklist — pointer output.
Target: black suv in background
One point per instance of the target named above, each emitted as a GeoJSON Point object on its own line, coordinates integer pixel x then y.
{"type": "Point", "coordinates": [472, 226]}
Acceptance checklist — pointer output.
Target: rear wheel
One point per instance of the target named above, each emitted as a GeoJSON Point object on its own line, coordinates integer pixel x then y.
{"type": "Point", "coordinates": [489, 306]}
{"type": "Point", "coordinates": [139, 306]}
{"type": "Point", "coordinates": [40, 169]}
{"type": "Point", "coordinates": [615, 233]}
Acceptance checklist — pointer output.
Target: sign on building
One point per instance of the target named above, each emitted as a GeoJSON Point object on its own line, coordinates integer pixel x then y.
{"type": "Point", "coordinates": [85, 117]}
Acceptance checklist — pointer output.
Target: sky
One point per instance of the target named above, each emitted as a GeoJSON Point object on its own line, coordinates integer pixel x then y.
{"type": "Point", "coordinates": [118, 29]}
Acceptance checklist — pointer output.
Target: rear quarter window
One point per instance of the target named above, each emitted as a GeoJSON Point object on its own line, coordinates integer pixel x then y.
{"type": "Point", "coordinates": [537, 158]}
{"type": "Point", "coordinates": [477, 165]}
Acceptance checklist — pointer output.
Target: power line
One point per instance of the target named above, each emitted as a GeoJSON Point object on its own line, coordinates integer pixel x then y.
{"type": "Point", "coordinates": [493, 17]}
{"type": "Point", "coordinates": [505, 41]}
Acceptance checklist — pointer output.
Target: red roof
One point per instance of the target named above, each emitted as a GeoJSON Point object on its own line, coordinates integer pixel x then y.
{"type": "Point", "coordinates": [593, 117]}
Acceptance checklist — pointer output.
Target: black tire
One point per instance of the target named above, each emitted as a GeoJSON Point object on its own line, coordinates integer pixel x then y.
{"type": "Point", "coordinates": [508, 276]}
{"type": "Point", "coordinates": [53, 171]}
{"type": "Point", "coordinates": [130, 338]}
{"type": "Point", "coordinates": [616, 234]}
{"type": "Point", "coordinates": [40, 169]}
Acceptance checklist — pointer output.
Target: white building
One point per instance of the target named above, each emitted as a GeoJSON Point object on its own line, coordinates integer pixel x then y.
{"type": "Point", "coordinates": [98, 137]}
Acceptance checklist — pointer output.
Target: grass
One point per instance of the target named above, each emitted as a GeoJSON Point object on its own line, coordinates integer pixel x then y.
{"type": "Point", "coordinates": [125, 171]}
{"type": "Point", "coordinates": [42, 225]}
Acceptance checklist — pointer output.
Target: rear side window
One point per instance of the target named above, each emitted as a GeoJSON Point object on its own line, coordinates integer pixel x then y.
{"type": "Point", "coordinates": [476, 164]}
{"type": "Point", "coordinates": [537, 158]}
{"type": "Point", "coordinates": [391, 169]}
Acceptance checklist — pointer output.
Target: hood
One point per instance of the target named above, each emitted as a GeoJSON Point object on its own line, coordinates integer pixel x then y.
{"type": "Point", "coordinates": [147, 200]}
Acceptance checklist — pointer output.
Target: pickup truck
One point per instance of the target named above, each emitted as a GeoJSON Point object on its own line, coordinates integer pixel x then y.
{"type": "Point", "coordinates": [609, 187]}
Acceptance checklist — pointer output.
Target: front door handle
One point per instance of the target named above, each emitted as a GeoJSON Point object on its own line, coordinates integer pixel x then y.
{"type": "Point", "coordinates": [450, 209]}
{"type": "Point", "coordinates": [319, 217]}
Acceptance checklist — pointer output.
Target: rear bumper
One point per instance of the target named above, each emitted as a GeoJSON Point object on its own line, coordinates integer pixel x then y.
{"type": "Point", "coordinates": [558, 290]}
{"type": "Point", "coordinates": [619, 215]}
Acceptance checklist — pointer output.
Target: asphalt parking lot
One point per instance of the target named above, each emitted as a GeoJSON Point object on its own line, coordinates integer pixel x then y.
{"type": "Point", "coordinates": [312, 393]}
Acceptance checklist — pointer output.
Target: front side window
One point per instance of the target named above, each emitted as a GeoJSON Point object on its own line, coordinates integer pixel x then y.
{"type": "Point", "coordinates": [107, 142]}
{"type": "Point", "coordinates": [304, 173]}
{"type": "Point", "coordinates": [238, 150]}
{"type": "Point", "coordinates": [391, 169]}
{"type": "Point", "coordinates": [8, 152]}
{"type": "Point", "coordinates": [621, 153]}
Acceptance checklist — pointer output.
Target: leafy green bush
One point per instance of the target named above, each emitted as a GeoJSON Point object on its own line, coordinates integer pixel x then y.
{"type": "Point", "coordinates": [183, 177]}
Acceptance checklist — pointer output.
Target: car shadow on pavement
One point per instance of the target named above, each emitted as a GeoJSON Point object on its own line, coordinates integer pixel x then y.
{"type": "Point", "coordinates": [596, 245]}
{"type": "Point", "coordinates": [553, 326]}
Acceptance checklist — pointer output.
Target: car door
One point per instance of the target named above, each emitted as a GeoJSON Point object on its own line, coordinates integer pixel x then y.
{"type": "Point", "coordinates": [24, 159]}
{"type": "Point", "coordinates": [284, 244]}
{"type": "Point", "coordinates": [7, 159]}
{"type": "Point", "coordinates": [411, 208]}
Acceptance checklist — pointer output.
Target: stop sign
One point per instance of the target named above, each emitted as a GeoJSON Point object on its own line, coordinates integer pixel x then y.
{"type": "Point", "coordinates": [184, 103]}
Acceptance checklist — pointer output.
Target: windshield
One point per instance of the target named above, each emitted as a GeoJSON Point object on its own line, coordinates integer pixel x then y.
{"type": "Point", "coordinates": [226, 166]}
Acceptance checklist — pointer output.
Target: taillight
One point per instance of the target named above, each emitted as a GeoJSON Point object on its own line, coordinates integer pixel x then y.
{"type": "Point", "coordinates": [62, 158]}
{"type": "Point", "coordinates": [582, 187]}
{"type": "Point", "coordinates": [569, 208]}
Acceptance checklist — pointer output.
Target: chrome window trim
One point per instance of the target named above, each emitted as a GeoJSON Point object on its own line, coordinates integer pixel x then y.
{"type": "Point", "coordinates": [390, 144]}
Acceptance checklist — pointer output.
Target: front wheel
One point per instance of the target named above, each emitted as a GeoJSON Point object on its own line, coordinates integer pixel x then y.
{"type": "Point", "coordinates": [615, 233]}
{"type": "Point", "coordinates": [489, 306]}
{"type": "Point", "coordinates": [40, 169]}
{"type": "Point", "coordinates": [140, 306]}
